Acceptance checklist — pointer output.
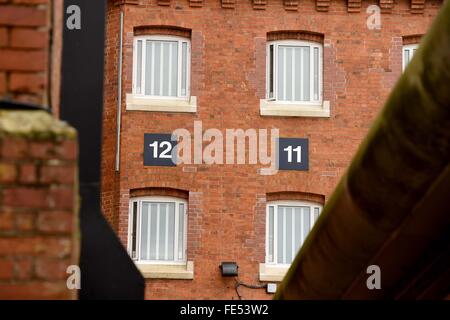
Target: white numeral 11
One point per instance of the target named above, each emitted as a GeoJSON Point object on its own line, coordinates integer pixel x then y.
{"type": "Point", "coordinates": [297, 150]}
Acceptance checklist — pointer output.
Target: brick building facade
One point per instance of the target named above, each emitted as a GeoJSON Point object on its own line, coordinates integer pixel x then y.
{"type": "Point", "coordinates": [226, 85]}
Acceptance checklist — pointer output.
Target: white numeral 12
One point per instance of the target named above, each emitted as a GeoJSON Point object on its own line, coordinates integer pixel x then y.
{"type": "Point", "coordinates": [165, 154]}
{"type": "Point", "coordinates": [297, 150]}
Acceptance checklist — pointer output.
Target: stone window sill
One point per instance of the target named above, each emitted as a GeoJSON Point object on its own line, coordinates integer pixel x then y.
{"type": "Point", "coordinates": [135, 103]}
{"type": "Point", "coordinates": [269, 272]}
{"type": "Point", "coordinates": [167, 271]}
{"type": "Point", "coordinates": [277, 108]}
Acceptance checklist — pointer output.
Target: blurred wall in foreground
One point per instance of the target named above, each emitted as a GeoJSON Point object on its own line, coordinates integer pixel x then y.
{"type": "Point", "coordinates": [39, 237]}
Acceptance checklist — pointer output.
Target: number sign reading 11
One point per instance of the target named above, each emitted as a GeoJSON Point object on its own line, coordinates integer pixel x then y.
{"type": "Point", "coordinates": [293, 154]}
{"type": "Point", "coordinates": [159, 150]}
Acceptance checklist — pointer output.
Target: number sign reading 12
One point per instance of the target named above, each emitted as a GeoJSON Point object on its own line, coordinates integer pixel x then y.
{"type": "Point", "coordinates": [293, 154]}
{"type": "Point", "coordinates": [159, 150]}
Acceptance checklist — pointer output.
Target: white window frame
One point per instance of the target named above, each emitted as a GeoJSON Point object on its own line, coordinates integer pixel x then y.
{"type": "Point", "coordinates": [290, 203]}
{"type": "Point", "coordinates": [410, 48]}
{"type": "Point", "coordinates": [157, 199]}
{"type": "Point", "coordinates": [180, 41]}
{"type": "Point", "coordinates": [295, 43]}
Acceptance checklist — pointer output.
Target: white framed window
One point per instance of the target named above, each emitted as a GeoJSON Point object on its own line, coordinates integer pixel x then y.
{"type": "Point", "coordinates": [294, 72]}
{"type": "Point", "coordinates": [157, 230]}
{"type": "Point", "coordinates": [161, 67]}
{"type": "Point", "coordinates": [287, 226]}
{"type": "Point", "coordinates": [408, 52]}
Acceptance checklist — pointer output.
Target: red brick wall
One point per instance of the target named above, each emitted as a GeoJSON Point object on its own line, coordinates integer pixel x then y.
{"type": "Point", "coordinates": [227, 202]}
{"type": "Point", "coordinates": [109, 178]}
{"type": "Point", "coordinates": [38, 214]}
{"type": "Point", "coordinates": [25, 29]}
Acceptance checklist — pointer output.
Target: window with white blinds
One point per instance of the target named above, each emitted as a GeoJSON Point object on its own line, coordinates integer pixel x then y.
{"type": "Point", "coordinates": [287, 226]}
{"type": "Point", "coordinates": [294, 71]}
{"type": "Point", "coordinates": [161, 66]}
{"type": "Point", "coordinates": [157, 229]}
{"type": "Point", "coordinates": [408, 52]}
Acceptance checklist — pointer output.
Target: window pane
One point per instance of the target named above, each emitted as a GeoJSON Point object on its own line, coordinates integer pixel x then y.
{"type": "Point", "coordinates": [139, 67]}
{"type": "Point", "coordinates": [316, 214]}
{"type": "Point", "coordinates": [280, 235]}
{"type": "Point", "coordinates": [166, 67]}
{"type": "Point", "coordinates": [288, 236]}
{"type": "Point", "coordinates": [294, 223]}
{"type": "Point", "coordinates": [406, 57]}
{"type": "Point", "coordinates": [184, 70]}
{"type": "Point", "coordinates": [281, 73]}
{"type": "Point", "coordinates": [173, 85]}
{"type": "Point", "coordinates": [149, 67]}
{"type": "Point", "coordinates": [158, 72]}
{"type": "Point", "coordinates": [298, 72]}
{"type": "Point", "coordinates": [145, 227]}
{"type": "Point", "coordinates": [305, 73]}
{"type": "Point", "coordinates": [289, 74]}
{"type": "Point", "coordinates": [162, 74]}
{"type": "Point", "coordinates": [133, 230]}
{"type": "Point", "coordinates": [181, 232]}
{"type": "Point", "coordinates": [153, 230]}
{"type": "Point", "coordinates": [270, 235]}
{"type": "Point", "coordinates": [158, 231]}
{"type": "Point", "coordinates": [270, 76]}
{"type": "Point", "coordinates": [294, 73]}
{"type": "Point", "coordinates": [162, 231]}
{"type": "Point", "coordinates": [316, 73]}
{"type": "Point", "coordinates": [171, 234]}
{"type": "Point", "coordinates": [298, 228]}
{"type": "Point", "coordinates": [306, 222]}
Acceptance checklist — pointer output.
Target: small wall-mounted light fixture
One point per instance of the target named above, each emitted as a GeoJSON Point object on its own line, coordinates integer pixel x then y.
{"type": "Point", "coordinates": [229, 269]}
